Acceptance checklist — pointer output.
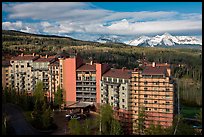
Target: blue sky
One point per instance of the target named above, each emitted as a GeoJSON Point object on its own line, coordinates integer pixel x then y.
{"type": "Point", "coordinates": [87, 21]}
{"type": "Point", "coordinates": [184, 7]}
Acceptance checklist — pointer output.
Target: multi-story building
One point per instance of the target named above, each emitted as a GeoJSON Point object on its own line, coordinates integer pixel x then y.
{"type": "Point", "coordinates": [40, 72]}
{"type": "Point", "coordinates": [21, 72]}
{"type": "Point", "coordinates": [6, 70]}
{"type": "Point", "coordinates": [27, 70]}
{"type": "Point", "coordinates": [115, 90]}
{"type": "Point", "coordinates": [153, 90]}
{"type": "Point", "coordinates": [81, 82]}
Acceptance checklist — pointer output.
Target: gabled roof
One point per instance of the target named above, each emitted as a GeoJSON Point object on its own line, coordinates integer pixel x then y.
{"type": "Point", "coordinates": [6, 63]}
{"type": "Point", "coordinates": [157, 70]}
{"type": "Point", "coordinates": [118, 73]}
{"type": "Point", "coordinates": [25, 57]}
{"type": "Point", "coordinates": [87, 67]}
{"type": "Point", "coordinates": [49, 59]}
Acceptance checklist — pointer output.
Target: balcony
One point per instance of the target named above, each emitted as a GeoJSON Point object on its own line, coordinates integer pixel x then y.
{"type": "Point", "coordinates": [116, 101]}
{"type": "Point", "coordinates": [85, 85]}
{"type": "Point", "coordinates": [116, 95]}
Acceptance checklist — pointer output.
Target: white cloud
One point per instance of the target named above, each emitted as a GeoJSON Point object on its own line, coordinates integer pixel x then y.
{"type": "Point", "coordinates": [64, 18]}
{"type": "Point", "coordinates": [12, 26]}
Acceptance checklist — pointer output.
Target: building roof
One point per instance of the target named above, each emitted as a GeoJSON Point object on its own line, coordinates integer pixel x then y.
{"type": "Point", "coordinates": [118, 73]}
{"type": "Point", "coordinates": [6, 63]}
{"type": "Point", "coordinates": [25, 57]}
{"type": "Point", "coordinates": [55, 63]}
{"type": "Point", "coordinates": [157, 70]}
{"type": "Point", "coordinates": [87, 67]}
{"type": "Point", "coordinates": [49, 59]}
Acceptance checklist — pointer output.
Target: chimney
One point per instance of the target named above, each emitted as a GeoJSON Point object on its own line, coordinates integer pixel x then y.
{"type": "Point", "coordinates": [123, 68]}
{"type": "Point", "coordinates": [153, 64]}
{"type": "Point", "coordinates": [22, 54]}
{"type": "Point", "coordinates": [46, 56]}
{"type": "Point", "coordinates": [135, 69]}
{"type": "Point", "coordinates": [33, 54]}
{"type": "Point", "coordinates": [91, 62]}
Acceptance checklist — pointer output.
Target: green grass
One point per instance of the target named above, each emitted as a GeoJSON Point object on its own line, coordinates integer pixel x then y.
{"type": "Point", "coordinates": [27, 115]}
{"type": "Point", "coordinates": [189, 112]}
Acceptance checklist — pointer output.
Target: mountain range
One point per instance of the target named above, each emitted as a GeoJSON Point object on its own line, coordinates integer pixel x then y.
{"type": "Point", "coordinates": [165, 40]}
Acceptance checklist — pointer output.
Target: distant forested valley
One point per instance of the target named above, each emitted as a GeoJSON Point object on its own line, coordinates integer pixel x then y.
{"type": "Point", "coordinates": [187, 63]}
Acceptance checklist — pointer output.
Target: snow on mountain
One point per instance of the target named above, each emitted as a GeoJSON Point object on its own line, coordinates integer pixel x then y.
{"type": "Point", "coordinates": [164, 40]}
{"type": "Point", "coordinates": [142, 39]}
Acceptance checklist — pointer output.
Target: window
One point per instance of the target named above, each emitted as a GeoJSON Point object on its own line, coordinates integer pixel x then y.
{"type": "Point", "coordinates": [123, 106]}
{"type": "Point", "coordinates": [146, 108]}
{"type": "Point", "coordinates": [150, 109]}
{"type": "Point", "coordinates": [145, 102]}
{"type": "Point", "coordinates": [167, 96]}
{"type": "Point", "coordinates": [87, 73]}
{"type": "Point", "coordinates": [135, 111]}
{"type": "Point", "coordinates": [167, 89]}
{"type": "Point", "coordinates": [145, 82]}
{"type": "Point", "coordinates": [120, 80]}
{"type": "Point", "coordinates": [6, 75]}
{"type": "Point", "coordinates": [155, 102]}
{"type": "Point", "coordinates": [167, 110]}
{"type": "Point", "coordinates": [135, 103]}
{"type": "Point", "coordinates": [123, 100]}
{"type": "Point", "coordinates": [167, 102]}
{"type": "Point", "coordinates": [16, 66]}
{"type": "Point", "coordinates": [157, 83]}
{"type": "Point", "coordinates": [145, 96]}
{"type": "Point", "coordinates": [135, 97]}
{"type": "Point", "coordinates": [123, 88]}
{"type": "Point", "coordinates": [135, 91]}
{"type": "Point", "coordinates": [111, 86]}
{"type": "Point", "coordinates": [111, 97]}
{"type": "Point", "coordinates": [145, 88]}
{"type": "Point", "coordinates": [163, 83]}
{"type": "Point", "coordinates": [155, 108]}
{"type": "Point", "coordinates": [115, 80]}
{"type": "Point", "coordinates": [22, 66]}
{"type": "Point", "coordinates": [109, 79]}
{"type": "Point", "coordinates": [135, 85]}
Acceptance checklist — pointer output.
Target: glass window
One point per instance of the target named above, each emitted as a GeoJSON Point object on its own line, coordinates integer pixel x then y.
{"type": "Point", "coordinates": [145, 82]}
{"type": "Point", "coordinates": [16, 66]}
{"type": "Point", "coordinates": [155, 102]}
{"type": "Point", "coordinates": [120, 80]}
{"type": "Point", "coordinates": [167, 110]}
{"type": "Point", "coordinates": [123, 88]}
{"type": "Point", "coordinates": [123, 100]}
{"type": "Point", "coordinates": [114, 80]}
{"type": "Point", "coordinates": [145, 102]}
{"type": "Point", "coordinates": [145, 95]}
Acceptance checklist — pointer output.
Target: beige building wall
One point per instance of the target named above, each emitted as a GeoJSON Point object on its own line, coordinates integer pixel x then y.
{"type": "Point", "coordinates": [21, 75]}
{"type": "Point", "coordinates": [156, 95]}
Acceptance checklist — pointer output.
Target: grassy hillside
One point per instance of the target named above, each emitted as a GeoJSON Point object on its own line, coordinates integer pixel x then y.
{"type": "Point", "coordinates": [118, 55]}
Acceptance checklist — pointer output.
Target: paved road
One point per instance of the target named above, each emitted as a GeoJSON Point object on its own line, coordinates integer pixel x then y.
{"type": "Point", "coordinates": [18, 122]}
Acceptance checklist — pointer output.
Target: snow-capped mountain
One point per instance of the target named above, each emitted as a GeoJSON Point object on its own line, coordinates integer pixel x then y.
{"type": "Point", "coordinates": [164, 40]}
{"type": "Point", "coordinates": [109, 39]}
